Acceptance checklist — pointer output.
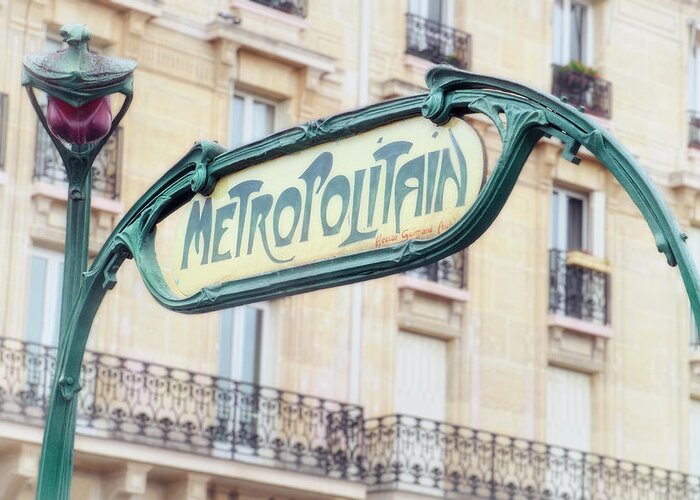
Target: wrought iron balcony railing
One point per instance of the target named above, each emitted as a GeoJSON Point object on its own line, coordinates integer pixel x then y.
{"type": "Point", "coordinates": [449, 271]}
{"type": "Point", "coordinates": [425, 455]}
{"type": "Point", "coordinates": [577, 292]}
{"type": "Point", "coordinates": [591, 92]}
{"type": "Point", "coordinates": [105, 169]}
{"type": "Point", "coordinates": [177, 409]}
{"type": "Point", "coordinates": [437, 42]}
{"type": "Point", "coordinates": [299, 8]}
{"type": "Point", "coordinates": [694, 128]}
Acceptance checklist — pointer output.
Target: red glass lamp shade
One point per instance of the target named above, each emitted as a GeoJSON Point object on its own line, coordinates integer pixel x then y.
{"type": "Point", "coordinates": [87, 123]}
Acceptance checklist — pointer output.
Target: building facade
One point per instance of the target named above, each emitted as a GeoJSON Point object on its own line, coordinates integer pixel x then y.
{"type": "Point", "coordinates": [554, 358]}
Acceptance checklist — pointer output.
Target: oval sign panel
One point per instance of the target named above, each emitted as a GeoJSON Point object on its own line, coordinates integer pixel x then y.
{"type": "Point", "coordinates": [403, 181]}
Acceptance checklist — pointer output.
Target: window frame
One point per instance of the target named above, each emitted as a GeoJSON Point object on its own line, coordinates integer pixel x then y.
{"type": "Point", "coordinates": [559, 236]}
{"type": "Point", "coordinates": [53, 289]}
{"type": "Point", "coordinates": [265, 352]}
{"type": "Point", "coordinates": [249, 99]}
{"type": "Point", "coordinates": [561, 32]}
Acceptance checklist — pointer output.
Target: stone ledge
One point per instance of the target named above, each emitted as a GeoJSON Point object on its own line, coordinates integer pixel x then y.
{"type": "Point", "coordinates": [270, 13]}
{"type": "Point", "coordinates": [153, 8]}
{"type": "Point", "coordinates": [576, 344]}
{"type": "Point", "coordinates": [430, 308]}
{"type": "Point", "coordinates": [587, 261]}
{"type": "Point", "coordinates": [48, 217]}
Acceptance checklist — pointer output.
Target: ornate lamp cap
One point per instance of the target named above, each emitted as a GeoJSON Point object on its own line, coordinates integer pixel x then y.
{"type": "Point", "coordinates": [76, 75]}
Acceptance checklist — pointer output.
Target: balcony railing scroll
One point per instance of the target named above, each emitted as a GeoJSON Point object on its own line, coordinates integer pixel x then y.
{"type": "Point", "coordinates": [577, 292]}
{"type": "Point", "coordinates": [428, 456]}
{"type": "Point", "coordinates": [177, 409]}
{"type": "Point", "coordinates": [437, 42]}
{"type": "Point", "coordinates": [105, 169]}
{"type": "Point", "coordinates": [581, 89]}
{"type": "Point", "coordinates": [299, 8]}
{"type": "Point", "coordinates": [449, 271]}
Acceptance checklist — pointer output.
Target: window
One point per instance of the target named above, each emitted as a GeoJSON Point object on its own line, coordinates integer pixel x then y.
{"type": "Point", "coordinates": [694, 88]}
{"type": "Point", "coordinates": [44, 300]}
{"type": "Point", "coordinates": [432, 10]}
{"type": "Point", "coordinates": [569, 225]}
{"type": "Point", "coordinates": [572, 32]}
{"type": "Point", "coordinates": [251, 118]}
{"type": "Point", "coordinates": [240, 344]}
{"type": "Point", "coordinates": [420, 376]}
{"type": "Point", "coordinates": [568, 408]}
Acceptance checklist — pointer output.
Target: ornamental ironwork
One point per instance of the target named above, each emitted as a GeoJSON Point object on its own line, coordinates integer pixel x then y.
{"type": "Point", "coordinates": [449, 271]}
{"type": "Point", "coordinates": [437, 42]}
{"type": "Point", "coordinates": [299, 8]}
{"type": "Point", "coordinates": [576, 291]}
{"type": "Point", "coordinates": [105, 169]}
{"type": "Point", "coordinates": [583, 90]}
{"type": "Point", "coordinates": [148, 403]}
{"type": "Point", "coordinates": [158, 405]}
{"type": "Point", "coordinates": [424, 456]}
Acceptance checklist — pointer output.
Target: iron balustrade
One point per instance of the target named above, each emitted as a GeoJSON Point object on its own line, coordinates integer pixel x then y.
{"type": "Point", "coordinates": [177, 409]}
{"type": "Point", "coordinates": [105, 169]}
{"type": "Point", "coordinates": [576, 291]}
{"type": "Point", "coordinates": [299, 8]}
{"type": "Point", "coordinates": [581, 89]}
{"type": "Point", "coordinates": [427, 456]}
{"type": "Point", "coordinates": [449, 271]}
{"type": "Point", "coordinates": [694, 128]}
{"type": "Point", "coordinates": [437, 42]}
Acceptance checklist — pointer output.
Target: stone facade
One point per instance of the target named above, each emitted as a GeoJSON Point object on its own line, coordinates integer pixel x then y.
{"type": "Point", "coordinates": [501, 337]}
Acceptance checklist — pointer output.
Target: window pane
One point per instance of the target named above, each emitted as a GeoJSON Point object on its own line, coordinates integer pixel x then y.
{"type": "Point", "coordinates": [251, 345]}
{"type": "Point", "coordinates": [577, 32]}
{"type": "Point", "coordinates": [263, 117]}
{"type": "Point", "coordinates": [554, 230]}
{"type": "Point", "coordinates": [236, 123]}
{"type": "Point", "coordinates": [226, 343]}
{"type": "Point", "coordinates": [575, 224]}
{"type": "Point", "coordinates": [37, 297]}
{"type": "Point", "coordinates": [435, 11]}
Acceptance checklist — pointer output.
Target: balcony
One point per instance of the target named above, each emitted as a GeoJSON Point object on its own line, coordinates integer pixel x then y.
{"type": "Point", "coordinates": [161, 406]}
{"type": "Point", "coordinates": [436, 42]}
{"type": "Point", "coordinates": [147, 403]}
{"type": "Point", "coordinates": [299, 8]}
{"type": "Point", "coordinates": [582, 89]}
{"type": "Point", "coordinates": [448, 271]}
{"type": "Point", "coordinates": [425, 456]}
{"type": "Point", "coordinates": [577, 291]}
{"type": "Point", "coordinates": [105, 169]}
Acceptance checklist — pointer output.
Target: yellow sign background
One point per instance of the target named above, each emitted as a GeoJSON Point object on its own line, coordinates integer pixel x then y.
{"type": "Point", "coordinates": [219, 250]}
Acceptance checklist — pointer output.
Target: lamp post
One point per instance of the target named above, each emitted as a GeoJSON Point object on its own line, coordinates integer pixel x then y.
{"type": "Point", "coordinates": [79, 122]}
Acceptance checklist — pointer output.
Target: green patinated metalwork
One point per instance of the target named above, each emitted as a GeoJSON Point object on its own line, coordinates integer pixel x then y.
{"type": "Point", "coordinates": [529, 116]}
{"type": "Point", "coordinates": [75, 76]}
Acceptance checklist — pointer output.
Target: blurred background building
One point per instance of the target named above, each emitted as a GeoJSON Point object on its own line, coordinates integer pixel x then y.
{"type": "Point", "coordinates": [549, 360]}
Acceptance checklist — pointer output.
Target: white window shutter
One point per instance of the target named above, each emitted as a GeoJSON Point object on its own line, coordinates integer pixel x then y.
{"type": "Point", "coordinates": [568, 408]}
{"type": "Point", "coordinates": [421, 376]}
